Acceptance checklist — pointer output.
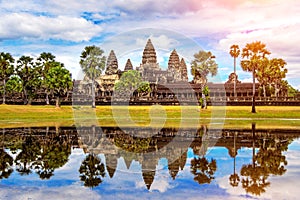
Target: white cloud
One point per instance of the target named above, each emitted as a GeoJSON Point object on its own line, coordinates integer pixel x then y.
{"type": "Point", "coordinates": [66, 192]}
{"type": "Point", "coordinates": [215, 24]}
{"type": "Point", "coordinates": [24, 25]}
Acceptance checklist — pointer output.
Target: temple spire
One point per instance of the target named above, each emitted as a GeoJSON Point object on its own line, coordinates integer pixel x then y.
{"type": "Point", "coordinates": [112, 64]}
{"type": "Point", "coordinates": [149, 54]}
{"type": "Point", "coordinates": [128, 65]}
{"type": "Point", "coordinates": [174, 62]}
{"type": "Point", "coordinates": [183, 70]}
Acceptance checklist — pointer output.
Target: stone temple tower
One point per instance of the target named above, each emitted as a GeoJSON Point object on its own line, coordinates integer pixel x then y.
{"type": "Point", "coordinates": [149, 61]}
{"type": "Point", "coordinates": [174, 62]}
{"type": "Point", "coordinates": [149, 54]}
{"type": "Point", "coordinates": [112, 64]}
{"type": "Point", "coordinates": [128, 65]}
{"type": "Point", "coordinates": [183, 70]}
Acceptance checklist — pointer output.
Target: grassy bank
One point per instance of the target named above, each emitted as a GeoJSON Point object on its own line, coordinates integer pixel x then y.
{"type": "Point", "coordinates": [172, 116]}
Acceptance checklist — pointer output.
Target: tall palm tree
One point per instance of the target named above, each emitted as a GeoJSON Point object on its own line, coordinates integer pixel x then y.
{"type": "Point", "coordinates": [252, 55]}
{"type": "Point", "coordinates": [203, 65]}
{"type": "Point", "coordinates": [6, 70]}
{"type": "Point", "coordinates": [92, 63]}
{"type": "Point", "coordinates": [234, 52]}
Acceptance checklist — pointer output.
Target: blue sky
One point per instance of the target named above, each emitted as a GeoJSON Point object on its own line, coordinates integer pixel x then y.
{"type": "Point", "coordinates": [65, 27]}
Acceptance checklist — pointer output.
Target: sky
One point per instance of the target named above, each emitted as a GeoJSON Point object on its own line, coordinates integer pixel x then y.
{"type": "Point", "coordinates": [65, 27]}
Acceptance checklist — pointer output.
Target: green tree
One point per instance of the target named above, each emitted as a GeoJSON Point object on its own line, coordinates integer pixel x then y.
{"type": "Point", "coordinates": [271, 71]}
{"type": "Point", "coordinates": [6, 70]}
{"type": "Point", "coordinates": [234, 52]}
{"type": "Point", "coordinates": [264, 74]}
{"type": "Point", "coordinates": [278, 73]}
{"type": "Point", "coordinates": [46, 62]}
{"type": "Point", "coordinates": [292, 92]}
{"type": "Point", "coordinates": [252, 55]}
{"type": "Point", "coordinates": [203, 65]}
{"type": "Point", "coordinates": [92, 170]}
{"type": "Point", "coordinates": [58, 80]}
{"type": "Point", "coordinates": [14, 84]}
{"type": "Point", "coordinates": [92, 63]}
{"type": "Point", "coordinates": [129, 82]}
{"type": "Point", "coordinates": [144, 88]}
{"type": "Point", "coordinates": [30, 76]}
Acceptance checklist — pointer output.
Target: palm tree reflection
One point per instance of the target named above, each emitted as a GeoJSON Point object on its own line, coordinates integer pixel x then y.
{"type": "Point", "coordinates": [30, 150]}
{"type": "Point", "coordinates": [268, 161]}
{"type": "Point", "coordinates": [234, 178]}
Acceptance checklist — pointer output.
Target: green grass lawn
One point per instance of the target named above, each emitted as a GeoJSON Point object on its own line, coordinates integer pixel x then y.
{"type": "Point", "coordinates": [171, 116]}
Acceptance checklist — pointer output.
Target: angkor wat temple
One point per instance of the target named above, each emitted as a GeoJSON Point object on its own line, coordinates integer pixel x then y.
{"type": "Point", "coordinates": [170, 86]}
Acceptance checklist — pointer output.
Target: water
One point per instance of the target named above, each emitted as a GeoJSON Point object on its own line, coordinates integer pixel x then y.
{"type": "Point", "coordinates": [114, 163]}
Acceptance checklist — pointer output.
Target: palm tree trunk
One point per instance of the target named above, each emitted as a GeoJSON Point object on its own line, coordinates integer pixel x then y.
{"type": "Point", "coordinates": [93, 94]}
{"type": "Point", "coordinates": [253, 90]}
{"type": "Point", "coordinates": [4, 90]}
{"type": "Point", "coordinates": [253, 145]}
{"type": "Point", "coordinates": [204, 104]}
{"type": "Point", "coordinates": [234, 147]}
{"type": "Point", "coordinates": [234, 83]}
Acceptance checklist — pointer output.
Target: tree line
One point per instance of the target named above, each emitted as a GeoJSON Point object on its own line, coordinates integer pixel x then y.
{"type": "Point", "coordinates": [28, 75]}
{"type": "Point", "coordinates": [269, 72]}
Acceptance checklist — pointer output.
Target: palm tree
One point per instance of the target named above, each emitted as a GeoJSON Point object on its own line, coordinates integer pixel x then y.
{"type": "Point", "coordinates": [203, 65]}
{"type": "Point", "coordinates": [253, 53]}
{"type": "Point", "coordinates": [92, 63]}
{"type": "Point", "coordinates": [6, 70]}
{"type": "Point", "coordinates": [234, 52]}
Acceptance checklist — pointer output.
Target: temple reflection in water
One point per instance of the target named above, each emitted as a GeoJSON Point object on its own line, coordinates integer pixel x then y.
{"type": "Point", "coordinates": [42, 151]}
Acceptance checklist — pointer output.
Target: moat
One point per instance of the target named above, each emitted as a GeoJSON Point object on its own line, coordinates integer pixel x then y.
{"type": "Point", "coordinates": [146, 163]}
